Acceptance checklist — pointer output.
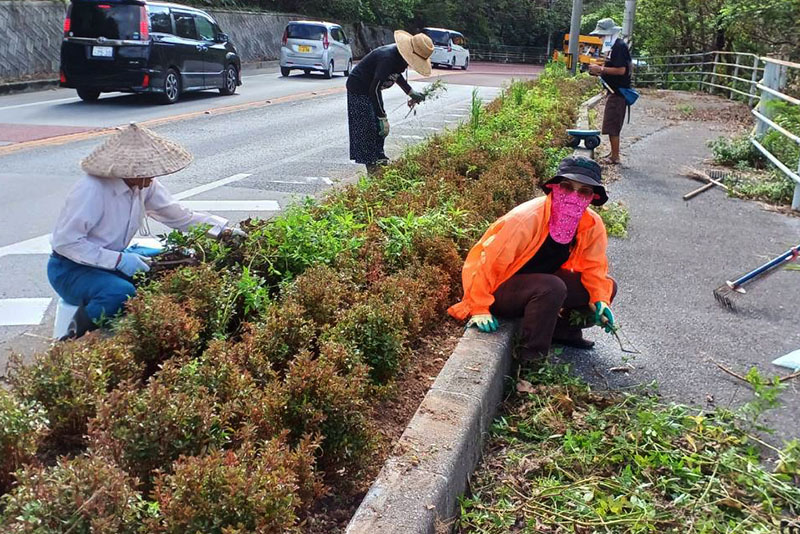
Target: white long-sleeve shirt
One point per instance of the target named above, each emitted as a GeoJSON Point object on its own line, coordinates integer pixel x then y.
{"type": "Point", "coordinates": [101, 216]}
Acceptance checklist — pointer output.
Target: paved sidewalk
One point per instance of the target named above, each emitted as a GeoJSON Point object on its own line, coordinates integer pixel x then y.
{"type": "Point", "coordinates": [677, 253]}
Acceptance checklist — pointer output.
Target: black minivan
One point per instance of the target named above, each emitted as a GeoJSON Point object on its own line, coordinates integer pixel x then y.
{"type": "Point", "coordinates": [145, 47]}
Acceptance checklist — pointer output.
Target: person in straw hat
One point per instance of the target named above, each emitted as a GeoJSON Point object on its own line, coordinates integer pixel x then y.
{"type": "Point", "coordinates": [91, 266]}
{"type": "Point", "coordinates": [379, 70]}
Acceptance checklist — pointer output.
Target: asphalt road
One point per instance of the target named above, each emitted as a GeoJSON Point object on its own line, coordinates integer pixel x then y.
{"type": "Point", "coordinates": [676, 254]}
{"type": "Point", "coordinates": [278, 140]}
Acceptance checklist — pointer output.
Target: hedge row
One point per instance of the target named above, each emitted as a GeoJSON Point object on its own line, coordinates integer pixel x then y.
{"type": "Point", "coordinates": [235, 393]}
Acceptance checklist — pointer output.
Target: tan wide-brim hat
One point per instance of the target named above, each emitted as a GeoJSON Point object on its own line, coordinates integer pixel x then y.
{"type": "Point", "coordinates": [136, 152]}
{"type": "Point", "coordinates": [416, 50]}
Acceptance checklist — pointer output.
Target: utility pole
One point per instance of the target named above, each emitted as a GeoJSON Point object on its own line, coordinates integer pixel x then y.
{"type": "Point", "coordinates": [627, 22]}
{"type": "Point", "coordinates": [574, 33]}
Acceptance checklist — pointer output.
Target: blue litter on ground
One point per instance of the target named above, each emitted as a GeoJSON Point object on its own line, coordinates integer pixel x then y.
{"type": "Point", "coordinates": [790, 361]}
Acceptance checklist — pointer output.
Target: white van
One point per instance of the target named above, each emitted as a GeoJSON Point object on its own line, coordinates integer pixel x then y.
{"type": "Point", "coordinates": [449, 48]}
{"type": "Point", "coordinates": [315, 46]}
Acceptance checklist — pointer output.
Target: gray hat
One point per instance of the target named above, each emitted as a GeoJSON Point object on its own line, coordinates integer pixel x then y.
{"type": "Point", "coordinates": [606, 27]}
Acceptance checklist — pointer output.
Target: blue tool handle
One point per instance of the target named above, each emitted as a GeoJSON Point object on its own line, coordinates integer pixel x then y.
{"type": "Point", "coordinates": [767, 266]}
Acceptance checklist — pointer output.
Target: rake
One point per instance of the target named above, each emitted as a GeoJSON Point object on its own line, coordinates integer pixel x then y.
{"type": "Point", "coordinates": [728, 293]}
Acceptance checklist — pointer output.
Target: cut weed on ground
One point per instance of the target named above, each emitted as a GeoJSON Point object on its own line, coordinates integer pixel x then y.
{"type": "Point", "coordinates": [567, 459]}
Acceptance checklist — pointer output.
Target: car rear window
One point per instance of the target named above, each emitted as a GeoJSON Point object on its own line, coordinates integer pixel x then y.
{"type": "Point", "coordinates": [305, 31]}
{"type": "Point", "coordinates": [112, 21]}
{"type": "Point", "coordinates": [438, 38]}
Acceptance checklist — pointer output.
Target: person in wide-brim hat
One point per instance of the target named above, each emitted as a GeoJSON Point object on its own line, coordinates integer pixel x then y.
{"type": "Point", "coordinates": [380, 69]}
{"type": "Point", "coordinates": [92, 265]}
{"type": "Point", "coordinates": [544, 262]}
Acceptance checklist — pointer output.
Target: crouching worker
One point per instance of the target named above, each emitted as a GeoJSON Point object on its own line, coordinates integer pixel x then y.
{"type": "Point", "coordinates": [91, 266]}
{"type": "Point", "coordinates": [543, 261]}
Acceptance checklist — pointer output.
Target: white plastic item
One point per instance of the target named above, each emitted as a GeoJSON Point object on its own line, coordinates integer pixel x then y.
{"type": "Point", "coordinates": [64, 314]}
{"type": "Point", "coordinates": [790, 361]}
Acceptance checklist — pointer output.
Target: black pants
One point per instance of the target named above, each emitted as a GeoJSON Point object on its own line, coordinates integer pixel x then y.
{"type": "Point", "coordinates": [545, 303]}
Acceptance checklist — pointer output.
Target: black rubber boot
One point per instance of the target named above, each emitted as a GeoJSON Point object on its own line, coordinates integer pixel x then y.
{"type": "Point", "coordinates": [79, 325]}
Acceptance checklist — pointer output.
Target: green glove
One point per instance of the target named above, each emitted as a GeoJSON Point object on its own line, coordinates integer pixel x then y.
{"type": "Point", "coordinates": [603, 316]}
{"type": "Point", "coordinates": [416, 96]}
{"type": "Point", "coordinates": [485, 323]}
{"type": "Point", "coordinates": [383, 126]}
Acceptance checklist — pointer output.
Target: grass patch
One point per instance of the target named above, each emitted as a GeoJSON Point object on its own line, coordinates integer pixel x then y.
{"type": "Point", "coordinates": [771, 187]}
{"type": "Point", "coordinates": [615, 216]}
{"type": "Point", "coordinates": [564, 458]}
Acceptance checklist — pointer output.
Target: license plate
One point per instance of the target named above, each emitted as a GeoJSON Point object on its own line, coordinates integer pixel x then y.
{"type": "Point", "coordinates": [304, 48]}
{"type": "Point", "coordinates": [103, 51]}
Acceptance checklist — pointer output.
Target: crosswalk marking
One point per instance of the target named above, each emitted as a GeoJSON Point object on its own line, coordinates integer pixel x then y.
{"type": "Point", "coordinates": [209, 186]}
{"type": "Point", "coordinates": [232, 205]}
{"type": "Point", "coordinates": [23, 311]}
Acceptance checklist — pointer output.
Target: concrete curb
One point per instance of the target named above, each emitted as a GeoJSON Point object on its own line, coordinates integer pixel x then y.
{"type": "Point", "coordinates": [27, 86]}
{"type": "Point", "coordinates": [418, 488]}
{"type": "Point", "coordinates": [583, 123]}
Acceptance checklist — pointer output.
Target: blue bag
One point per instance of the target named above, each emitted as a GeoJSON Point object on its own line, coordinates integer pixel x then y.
{"type": "Point", "coordinates": [630, 95]}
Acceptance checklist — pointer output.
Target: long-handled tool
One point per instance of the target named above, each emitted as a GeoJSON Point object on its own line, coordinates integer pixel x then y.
{"type": "Point", "coordinates": [726, 294]}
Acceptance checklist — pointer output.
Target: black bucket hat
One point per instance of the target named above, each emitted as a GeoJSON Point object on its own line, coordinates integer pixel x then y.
{"type": "Point", "coordinates": [584, 170]}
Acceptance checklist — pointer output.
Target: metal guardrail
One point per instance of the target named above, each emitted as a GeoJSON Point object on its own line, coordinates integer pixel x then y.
{"type": "Point", "coordinates": [756, 80]}
{"type": "Point", "coordinates": [508, 54]}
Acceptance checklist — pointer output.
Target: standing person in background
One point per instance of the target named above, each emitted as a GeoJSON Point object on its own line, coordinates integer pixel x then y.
{"type": "Point", "coordinates": [615, 74]}
{"type": "Point", "coordinates": [379, 70]}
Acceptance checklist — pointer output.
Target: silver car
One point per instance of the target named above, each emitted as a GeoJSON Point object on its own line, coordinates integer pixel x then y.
{"type": "Point", "coordinates": [318, 46]}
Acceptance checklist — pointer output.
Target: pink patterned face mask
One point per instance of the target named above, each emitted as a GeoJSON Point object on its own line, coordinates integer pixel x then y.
{"type": "Point", "coordinates": [567, 209]}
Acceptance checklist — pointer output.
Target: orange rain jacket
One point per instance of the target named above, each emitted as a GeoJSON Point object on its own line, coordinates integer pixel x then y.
{"type": "Point", "coordinates": [514, 239]}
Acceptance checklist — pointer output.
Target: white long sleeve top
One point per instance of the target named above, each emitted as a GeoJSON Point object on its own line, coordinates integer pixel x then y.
{"type": "Point", "coordinates": [102, 215]}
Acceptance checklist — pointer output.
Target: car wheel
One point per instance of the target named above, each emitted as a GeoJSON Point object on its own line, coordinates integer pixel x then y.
{"type": "Point", "coordinates": [466, 64]}
{"type": "Point", "coordinates": [231, 80]}
{"type": "Point", "coordinates": [87, 95]}
{"type": "Point", "coordinates": [329, 72]}
{"type": "Point", "coordinates": [285, 71]}
{"type": "Point", "coordinates": [349, 67]}
{"type": "Point", "coordinates": [306, 71]}
{"type": "Point", "coordinates": [172, 87]}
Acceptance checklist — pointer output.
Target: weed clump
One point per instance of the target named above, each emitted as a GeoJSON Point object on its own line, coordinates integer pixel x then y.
{"type": "Point", "coordinates": [22, 426]}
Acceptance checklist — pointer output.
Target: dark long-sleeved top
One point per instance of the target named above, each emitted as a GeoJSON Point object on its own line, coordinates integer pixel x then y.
{"type": "Point", "coordinates": [380, 69]}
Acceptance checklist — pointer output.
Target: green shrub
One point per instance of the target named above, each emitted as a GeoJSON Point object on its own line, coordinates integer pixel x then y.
{"type": "Point", "coordinates": [148, 429]}
{"type": "Point", "coordinates": [70, 379]}
{"type": "Point", "coordinates": [317, 400]}
{"type": "Point", "coordinates": [733, 151]}
{"type": "Point", "coordinates": [374, 331]}
{"type": "Point", "coordinates": [321, 291]}
{"type": "Point", "coordinates": [253, 490]}
{"type": "Point", "coordinates": [615, 216]}
{"type": "Point", "coordinates": [772, 187]}
{"type": "Point", "coordinates": [157, 327]}
{"type": "Point", "coordinates": [83, 495]}
{"type": "Point", "coordinates": [22, 425]}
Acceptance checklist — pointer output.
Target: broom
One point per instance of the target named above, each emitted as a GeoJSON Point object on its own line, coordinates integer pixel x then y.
{"type": "Point", "coordinates": [728, 293]}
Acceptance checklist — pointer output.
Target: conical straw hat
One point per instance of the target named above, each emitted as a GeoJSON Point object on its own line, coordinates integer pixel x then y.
{"type": "Point", "coordinates": [416, 50]}
{"type": "Point", "coordinates": [136, 152]}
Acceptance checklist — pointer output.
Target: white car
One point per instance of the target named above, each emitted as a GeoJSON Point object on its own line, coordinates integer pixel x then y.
{"type": "Point", "coordinates": [449, 48]}
{"type": "Point", "coordinates": [319, 46]}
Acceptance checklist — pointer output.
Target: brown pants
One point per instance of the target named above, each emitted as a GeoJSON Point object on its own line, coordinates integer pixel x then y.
{"type": "Point", "coordinates": [539, 299]}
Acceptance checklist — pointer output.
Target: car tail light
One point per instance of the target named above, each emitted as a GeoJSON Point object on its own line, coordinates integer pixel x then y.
{"type": "Point", "coordinates": [285, 39]}
{"type": "Point", "coordinates": [68, 21]}
{"type": "Point", "coordinates": [144, 24]}
{"type": "Point", "coordinates": [325, 42]}
{"type": "Point", "coordinates": [146, 81]}
{"type": "Point", "coordinates": [62, 77]}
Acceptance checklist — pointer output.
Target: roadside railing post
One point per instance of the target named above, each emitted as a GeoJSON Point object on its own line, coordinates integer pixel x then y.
{"type": "Point", "coordinates": [735, 75]}
{"type": "Point", "coordinates": [753, 82]}
{"type": "Point", "coordinates": [714, 71]}
{"type": "Point", "coordinates": [796, 197]}
{"type": "Point", "coordinates": [773, 75]}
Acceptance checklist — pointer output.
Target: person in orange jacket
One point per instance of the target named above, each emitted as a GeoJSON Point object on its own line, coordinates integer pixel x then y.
{"type": "Point", "coordinates": [541, 261]}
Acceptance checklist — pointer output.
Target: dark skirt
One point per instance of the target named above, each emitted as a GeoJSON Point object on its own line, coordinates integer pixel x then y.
{"type": "Point", "coordinates": [366, 146]}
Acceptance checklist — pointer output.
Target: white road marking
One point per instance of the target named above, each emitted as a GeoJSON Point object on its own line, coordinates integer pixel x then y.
{"type": "Point", "coordinates": [417, 137]}
{"type": "Point", "coordinates": [209, 186]}
{"type": "Point", "coordinates": [23, 311]}
{"type": "Point", "coordinates": [232, 205]}
{"type": "Point", "coordinates": [320, 179]}
{"type": "Point", "coordinates": [36, 245]}
{"type": "Point", "coordinates": [29, 104]}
